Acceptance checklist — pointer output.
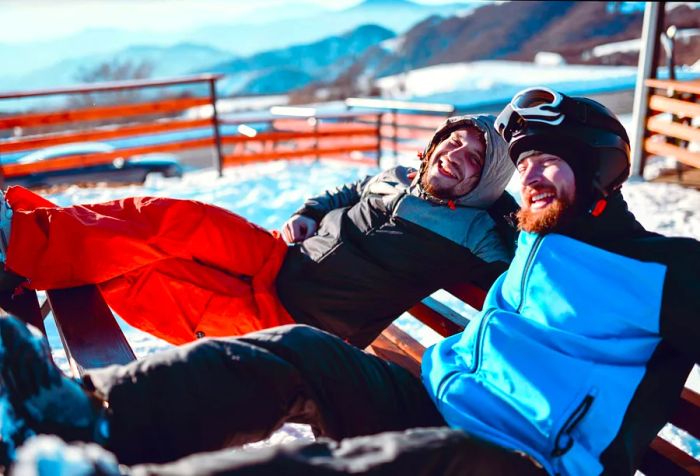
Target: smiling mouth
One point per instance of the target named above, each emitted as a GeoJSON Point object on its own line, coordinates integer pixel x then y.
{"type": "Point", "coordinates": [447, 168]}
{"type": "Point", "coordinates": [539, 200]}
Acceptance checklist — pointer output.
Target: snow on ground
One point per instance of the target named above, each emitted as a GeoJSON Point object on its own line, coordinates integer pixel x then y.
{"type": "Point", "coordinates": [501, 79]}
{"type": "Point", "coordinates": [477, 83]}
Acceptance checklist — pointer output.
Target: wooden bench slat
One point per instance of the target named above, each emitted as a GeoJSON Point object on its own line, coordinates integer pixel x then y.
{"type": "Point", "coordinates": [387, 350]}
{"type": "Point", "coordinates": [687, 415]}
{"type": "Point", "coordinates": [673, 129]}
{"type": "Point", "coordinates": [90, 334]}
{"type": "Point", "coordinates": [469, 293]}
{"type": "Point", "coordinates": [438, 317]}
{"type": "Point", "coordinates": [405, 342]}
{"type": "Point", "coordinates": [669, 150]}
{"type": "Point", "coordinates": [664, 459]}
{"type": "Point", "coordinates": [674, 106]}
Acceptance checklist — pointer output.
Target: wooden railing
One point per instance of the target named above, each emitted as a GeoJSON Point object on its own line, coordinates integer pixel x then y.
{"type": "Point", "coordinates": [285, 133]}
{"type": "Point", "coordinates": [671, 126]}
{"type": "Point", "coordinates": [35, 130]}
{"type": "Point", "coordinates": [406, 126]}
{"type": "Point", "coordinates": [293, 133]}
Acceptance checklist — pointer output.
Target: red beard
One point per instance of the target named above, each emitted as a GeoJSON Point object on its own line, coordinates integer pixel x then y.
{"type": "Point", "coordinates": [544, 221]}
{"type": "Point", "coordinates": [434, 191]}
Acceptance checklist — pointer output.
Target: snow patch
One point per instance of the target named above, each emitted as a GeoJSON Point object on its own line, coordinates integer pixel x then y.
{"type": "Point", "coordinates": [608, 49]}
{"type": "Point", "coordinates": [548, 58]}
{"type": "Point", "coordinates": [393, 45]}
{"type": "Point", "coordinates": [492, 81]}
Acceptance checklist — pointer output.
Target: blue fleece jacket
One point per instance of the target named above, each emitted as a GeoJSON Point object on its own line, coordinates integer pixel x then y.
{"type": "Point", "coordinates": [553, 360]}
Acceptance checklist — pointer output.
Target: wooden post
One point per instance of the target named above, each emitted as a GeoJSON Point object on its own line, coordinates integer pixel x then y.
{"type": "Point", "coordinates": [314, 122]}
{"type": "Point", "coordinates": [215, 125]}
{"type": "Point", "coordinates": [396, 134]}
{"type": "Point", "coordinates": [380, 116]}
{"type": "Point", "coordinates": [654, 14]}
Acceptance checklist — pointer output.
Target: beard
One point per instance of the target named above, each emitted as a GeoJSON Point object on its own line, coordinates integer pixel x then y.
{"type": "Point", "coordinates": [553, 218]}
{"type": "Point", "coordinates": [432, 190]}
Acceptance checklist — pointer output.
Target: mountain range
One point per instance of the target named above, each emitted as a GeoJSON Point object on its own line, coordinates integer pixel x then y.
{"type": "Point", "coordinates": [510, 31]}
{"type": "Point", "coordinates": [290, 23]}
{"type": "Point", "coordinates": [350, 59]}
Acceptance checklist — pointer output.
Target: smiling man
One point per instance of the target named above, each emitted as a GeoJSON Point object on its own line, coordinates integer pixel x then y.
{"type": "Point", "coordinates": [583, 346]}
{"type": "Point", "coordinates": [455, 164]}
{"type": "Point", "coordinates": [370, 249]}
{"type": "Point", "coordinates": [548, 189]}
{"type": "Point", "coordinates": [574, 364]}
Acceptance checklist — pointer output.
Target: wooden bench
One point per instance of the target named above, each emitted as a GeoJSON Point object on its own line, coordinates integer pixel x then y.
{"type": "Point", "coordinates": [92, 338]}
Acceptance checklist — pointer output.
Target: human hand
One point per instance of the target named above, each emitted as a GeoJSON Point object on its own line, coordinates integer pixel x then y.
{"type": "Point", "coordinates": [298, 228]}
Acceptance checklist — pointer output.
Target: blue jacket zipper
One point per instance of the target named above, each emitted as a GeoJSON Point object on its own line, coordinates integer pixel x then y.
{"type": "Point", "coordinates": [479, 340]}
{"type": "Point", "coordinates": [526, 270]}
{"type": "Point", "coordinates": [569, 426]}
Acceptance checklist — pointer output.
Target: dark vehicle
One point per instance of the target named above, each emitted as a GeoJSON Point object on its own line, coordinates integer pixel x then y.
{"type": "Point", "coordinates": [132, 169]}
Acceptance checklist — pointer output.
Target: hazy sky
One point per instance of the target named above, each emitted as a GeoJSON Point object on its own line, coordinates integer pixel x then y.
{"type": "Point", "coordinates": [26, 20]}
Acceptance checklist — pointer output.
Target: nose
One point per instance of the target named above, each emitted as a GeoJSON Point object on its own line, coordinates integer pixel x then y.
{"type": "Point", "coordinates": [459, 152]}
{"type": "Point", "coordinates": [530, 175]}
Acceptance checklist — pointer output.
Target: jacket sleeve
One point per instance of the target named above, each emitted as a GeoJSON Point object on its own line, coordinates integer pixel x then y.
{"type": "Point", "coordinates": [344, 196]}
{"type": "Point", "coordinates": [680, 305]}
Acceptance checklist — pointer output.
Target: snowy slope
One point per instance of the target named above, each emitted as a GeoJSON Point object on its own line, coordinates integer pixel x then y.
{"type": "Point", "coordinates": [487, 82]}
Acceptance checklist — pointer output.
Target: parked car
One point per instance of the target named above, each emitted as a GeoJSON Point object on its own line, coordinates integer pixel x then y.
{"type": "Point", "coordinates": [133, 168]}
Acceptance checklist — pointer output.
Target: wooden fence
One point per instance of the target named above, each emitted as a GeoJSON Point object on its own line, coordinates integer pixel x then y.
{"type": "Point", "coordinates": [671, 127]}
{"type": "Point", "coordinates": [406, 127]}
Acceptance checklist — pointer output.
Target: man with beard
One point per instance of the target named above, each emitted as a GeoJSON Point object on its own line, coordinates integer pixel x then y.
{"type": "Point", "coordinates": [573, 366]}
{"type": "Point", "coordinates": [360, 256]}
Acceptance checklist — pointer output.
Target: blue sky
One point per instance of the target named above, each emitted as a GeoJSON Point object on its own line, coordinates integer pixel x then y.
{"type": "Point", "coordinates": [28, 20]}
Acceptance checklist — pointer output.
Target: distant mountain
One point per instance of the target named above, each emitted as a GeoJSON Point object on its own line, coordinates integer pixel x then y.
{"type": "Point", "coordinates": [162, 61]}
{"type": "Point", "coordinates": [291, 68]}
{"type": "Point", "coordinates": [288, 24]}
{"type": "Point", "coordinates": [396, 15]}
{"type": "Point", "coordinates": [509, 30]}
{"type": "Point", "coordinates": [20, 59]}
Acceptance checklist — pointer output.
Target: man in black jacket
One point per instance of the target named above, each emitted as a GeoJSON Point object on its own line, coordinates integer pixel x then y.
{"type": "Point", "coordinates": [362, 254]}
{"type": "Point", "coordinates": [367, 251]}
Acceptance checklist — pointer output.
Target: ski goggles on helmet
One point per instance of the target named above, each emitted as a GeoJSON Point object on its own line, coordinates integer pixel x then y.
{"type": "Point", "coordinates": [545, 106]}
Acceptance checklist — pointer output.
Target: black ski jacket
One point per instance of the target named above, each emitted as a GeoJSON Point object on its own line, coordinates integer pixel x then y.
{"type": "Point", "coordinates": [381, 247]}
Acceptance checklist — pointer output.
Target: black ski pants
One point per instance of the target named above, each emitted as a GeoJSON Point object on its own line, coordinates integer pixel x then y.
{"type": "Point", "coordinates": [217, 393]}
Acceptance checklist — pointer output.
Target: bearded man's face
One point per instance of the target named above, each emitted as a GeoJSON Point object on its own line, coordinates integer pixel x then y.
{"type": "Point", "coordinates": [548, 190]}
{"type": "Point", "coordinates": [454, 166]}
